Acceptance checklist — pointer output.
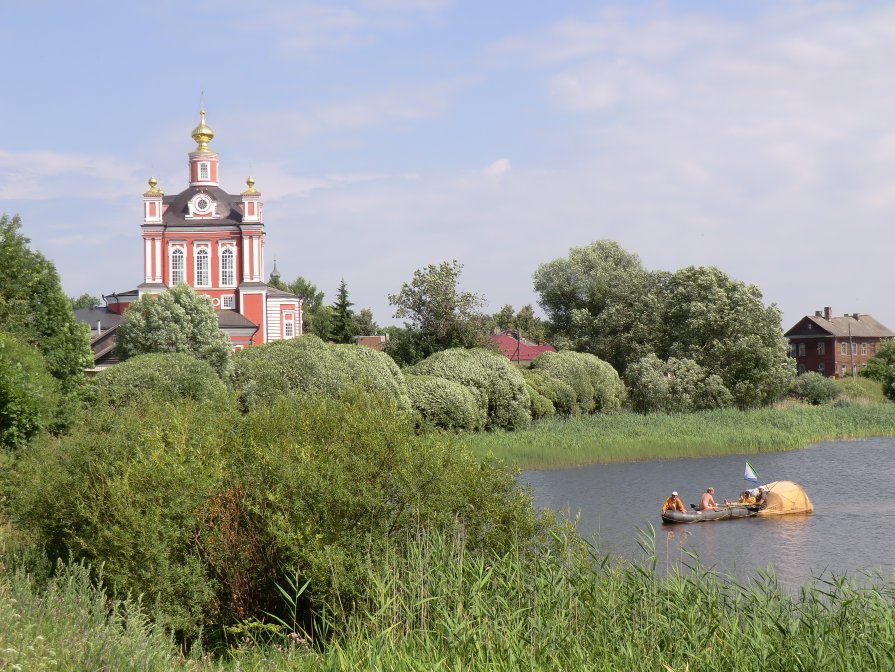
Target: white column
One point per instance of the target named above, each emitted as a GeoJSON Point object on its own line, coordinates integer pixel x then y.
{"type": "Point", "coordinates": [158, 260]}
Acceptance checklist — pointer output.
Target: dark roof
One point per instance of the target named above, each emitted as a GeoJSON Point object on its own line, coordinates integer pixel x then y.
{"type": "Point", "coordinates": [232, 318]}
{"type": "Point", "coordinates": [91, 316]}
{"type": "Point", "coordinates": [178, 207]}
{"type": "Point", "coordinates": [273, 291]}
{"type": "Point", "coordinates": [855, 325]}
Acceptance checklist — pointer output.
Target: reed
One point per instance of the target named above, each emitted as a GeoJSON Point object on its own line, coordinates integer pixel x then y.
{"type": "Point", "coordinates": [625, 437]}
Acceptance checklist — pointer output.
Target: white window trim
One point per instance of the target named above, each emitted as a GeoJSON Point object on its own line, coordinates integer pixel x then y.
{"type": "Point", "coordinates": [204, 167]}
{"type": "Point", "coordinates": [228, 298]}
{"type": "Point", "coordinates": [176, 247]}
{"type": "Point", "coordinates": [197, 250]}
{"type": "Point", "coordinates": [231, 248]}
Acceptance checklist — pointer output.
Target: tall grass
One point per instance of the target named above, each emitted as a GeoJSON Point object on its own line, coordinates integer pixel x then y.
{"type": "Point", "coordinates": [626, 437]}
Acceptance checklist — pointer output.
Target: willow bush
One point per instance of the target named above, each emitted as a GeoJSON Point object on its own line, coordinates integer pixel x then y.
{"type": "Point", "coordinates": [169, 375]}
{"type": "Point", "coordinates": [503, 394]}
{"type": "Point", "coordinates": [308, 365]}
{"type": "Point", "coordinates": [597, 385]}
{"type": "Point", "coordinates": [445, 404]}
{"type": "Point", "coordinates": [558, 392]}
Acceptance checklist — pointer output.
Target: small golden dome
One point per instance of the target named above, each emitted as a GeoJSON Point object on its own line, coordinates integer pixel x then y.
{"type": "Point", "coordinates": [202, 134]}
{"type": "Point", "coordinates": [153, 190]}
{"type": "Point", "coordinates": [250, 181]}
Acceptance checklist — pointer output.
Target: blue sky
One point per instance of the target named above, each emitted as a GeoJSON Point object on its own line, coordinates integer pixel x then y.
{"type": "Point", "coordinates": [385, 135]}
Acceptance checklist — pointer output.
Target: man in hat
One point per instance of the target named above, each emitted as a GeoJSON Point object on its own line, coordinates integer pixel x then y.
{"type": "Point", "coordinates": [674, 503]}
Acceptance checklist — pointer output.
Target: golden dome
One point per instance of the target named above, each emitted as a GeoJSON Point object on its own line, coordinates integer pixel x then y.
{"type": "Point", "coordinates": [250, 181]}
{"type": "Point", "coordinates": [153, 189]}
{"type": "Point", "coordinates": [202, 134]}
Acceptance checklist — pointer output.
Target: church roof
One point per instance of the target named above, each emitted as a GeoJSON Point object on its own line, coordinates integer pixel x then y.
{"type": "Point", "coordinates": [233, 318]}
{"type": "Point", "coordinates": [178, 208]}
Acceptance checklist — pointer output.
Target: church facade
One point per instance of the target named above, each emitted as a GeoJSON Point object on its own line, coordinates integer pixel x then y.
{"type": "Point", "coordinates": [213, 241]}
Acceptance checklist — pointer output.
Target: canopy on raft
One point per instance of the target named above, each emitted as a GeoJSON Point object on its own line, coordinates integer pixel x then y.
{"type": "Point", "coordinates": [786, 497]}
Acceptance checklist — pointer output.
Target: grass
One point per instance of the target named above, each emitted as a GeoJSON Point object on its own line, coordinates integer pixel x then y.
{"type": "Point", "coordinates": [565, 442]}
{"type": "Point", "coordinates": [442, 606]}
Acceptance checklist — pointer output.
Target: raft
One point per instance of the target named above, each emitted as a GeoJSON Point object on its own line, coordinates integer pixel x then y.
{"type": "Point", "coordinates": [723, 513]}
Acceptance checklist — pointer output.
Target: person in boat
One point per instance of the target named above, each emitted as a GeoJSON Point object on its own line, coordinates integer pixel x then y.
{"type": "Point", "coordinates": [748, 497]}
{"type": "Point", "coordinates": [707, 502]}
{"type": "Point", "coordinates": [761, 497]}
{"type": "Point", "coordinates": [674, 503]}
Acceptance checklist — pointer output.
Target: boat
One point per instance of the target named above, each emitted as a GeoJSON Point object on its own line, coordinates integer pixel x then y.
{"type": "Point", "coordinates": [724, 512]}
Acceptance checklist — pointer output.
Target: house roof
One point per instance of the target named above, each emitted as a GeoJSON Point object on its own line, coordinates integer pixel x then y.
{"type": "Point", "coordinates": [178, 207]}
{"type": "Point", "coordinates": [519, 350]}
{"type": "Point", "coordinates": [279, 293]}
{"type": "Point", "coordinates": [855, 325]}
{"type": "Point", "coordinates": [90, 316]}
{"type": "Point", "coordinates": [232, 318]}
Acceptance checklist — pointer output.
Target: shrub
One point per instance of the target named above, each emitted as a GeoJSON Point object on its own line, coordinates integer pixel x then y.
{"type": "Point", "coordinates": [597, 385]}
{"type": "Point", "coordinates": [541, 406]}
{"type": "Point", "coordinates": [502, 387]}
{"type": "Point", "coordinates": [675, 386]}
{"type": "Point", "coordinates": [166, 376]}
{"type": "Point", "coordinates": [204, 511]}
{"type": "Point", "coordinates": [559, 393]}
{"type": "Point", "coordinates": [878, 364]}
{"type": "Point", "coordinates": [307, 365]}
{"type": "Point", "coordinates": [446, 404]}
{"type": "Point", "coordinates": [29, 395]}
{"type": "Point", "coordinates": [814, 388]}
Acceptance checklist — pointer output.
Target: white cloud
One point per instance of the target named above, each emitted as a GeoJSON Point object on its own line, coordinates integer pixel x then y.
{"type": "Point", "coordinates": [42, 175]}
{"type": "Point", "coordinates": [498, 169]}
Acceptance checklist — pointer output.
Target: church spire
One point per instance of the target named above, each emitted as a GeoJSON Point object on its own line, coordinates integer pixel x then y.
{"type": "Point", "coordinates": [203, 160]}
{"type": "Point", "coordinates": [202, 134]}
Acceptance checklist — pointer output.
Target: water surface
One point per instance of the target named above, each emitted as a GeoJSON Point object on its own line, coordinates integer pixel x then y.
{"type": "Point", "coordinates": [850, 483]}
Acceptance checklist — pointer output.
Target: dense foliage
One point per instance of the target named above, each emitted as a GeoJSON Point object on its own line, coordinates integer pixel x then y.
{"type": "Point", "coordinates": [499, 385]}
{"type": "Point", "coordinates": [597, 387]}
{"type": "Point", "coordinates": [814, 388]}
{"type": "Point", "coordinates": [307, 365]}
{"type": "Point", "coordinates": [36, 311]}
{"type": "Point", "coordinates": [437, 314]}
{"type": "Point", "coordinates": [29, 395]}
{"type": "Point", "coordinates": [177, 320]}
{"type": "Point", "coordinates": [601, 300]}
{"type": "Point", "coordinates": [204, 511]}
{"type": "Point", "coordinates": [675, 386]}
{"type": "Point", "coordinates": [878, 365]}
{"type": "Point", "coordinates": [559, 393]}
{"type": "Point", "coordinates": [446, 404]}
{"type": "Point", "coordinates": [165, 376]}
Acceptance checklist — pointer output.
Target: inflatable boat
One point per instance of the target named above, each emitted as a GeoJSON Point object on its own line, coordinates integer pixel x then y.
{"type": "Point", "coordinates": [721, 513]}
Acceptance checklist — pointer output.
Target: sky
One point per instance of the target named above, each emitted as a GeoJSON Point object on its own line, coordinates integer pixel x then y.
{"type": "Point", "coordinates": [386, 135]}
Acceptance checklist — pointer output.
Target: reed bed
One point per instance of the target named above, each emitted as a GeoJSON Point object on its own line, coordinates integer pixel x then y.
{"type": "Point", "coordinates": [625, 437]}
{"type": "Point", "coordinates": [438, 605]}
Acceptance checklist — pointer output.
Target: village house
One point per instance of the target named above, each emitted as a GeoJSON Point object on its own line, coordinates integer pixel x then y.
{"type": "Point", "coordinates": [517, 349]}
{"type": "Point", "coordinates": [836, 346]}
{"type": "Point", "coordinates": [214, 242]}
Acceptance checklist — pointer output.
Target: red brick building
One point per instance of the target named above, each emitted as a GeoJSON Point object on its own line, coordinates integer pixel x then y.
{"type": "Point", "coordinates": [835, 346]}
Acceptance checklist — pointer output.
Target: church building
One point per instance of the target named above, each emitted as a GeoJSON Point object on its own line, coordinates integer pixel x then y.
{"type": "Point", "coordinates": [214, 242]}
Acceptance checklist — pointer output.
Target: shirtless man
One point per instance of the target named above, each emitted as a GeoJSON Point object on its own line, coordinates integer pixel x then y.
{"type": "Point", "coordinates": [708, 500]}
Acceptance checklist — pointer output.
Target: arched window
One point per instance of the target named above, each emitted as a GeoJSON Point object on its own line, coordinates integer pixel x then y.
{"type": "Point", "coordinates": [228, 277]}
{"type": "Point", "coordinates": [203, 275]}
{"type": "Point", "coordinates": [178, 268]}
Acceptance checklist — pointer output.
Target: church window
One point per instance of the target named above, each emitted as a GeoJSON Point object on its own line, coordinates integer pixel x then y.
{"type": "Point", "coordinates": [288, 325]}
{"type": "Point", "coordinates": [178, 268]}
{"type": "Point", "coordinates": [204, 171]}
{"type": "Point", "coordinates": [228, 302]}
{"type": "Point", "coordinates": [228, 265]}
{"type": "Point", "coordinates": [203, 276]}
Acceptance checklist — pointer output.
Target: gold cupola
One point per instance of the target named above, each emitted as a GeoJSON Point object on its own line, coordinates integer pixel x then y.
{"type": "Point", "coordinates": [250, 182]}
{"type": "Point", "coordinates": [202, 134]}
{"type": "Point", "coordinates": [153, 188]}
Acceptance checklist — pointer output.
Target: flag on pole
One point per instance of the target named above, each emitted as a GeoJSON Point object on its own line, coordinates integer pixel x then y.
{"type": "Point", "coordinates": [750, 474]}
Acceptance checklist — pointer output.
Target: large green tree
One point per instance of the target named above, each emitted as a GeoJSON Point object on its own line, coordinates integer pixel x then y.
{"type": "Point", "coordinates": [600, 300]}
{"type": "Point", "coordinates": [29, 395]}
{"type": "Point", "coordinates": [36, 311]}
{"type": "Point", "coordinates": [437, 314]}
{"type": "Point", "coordinates": [878, 365]}
{"type": "Point", "coordinates": [84, 301]}
{"type": "Point", "coordinates": [177, 320]}
{"type": "Point", "coordinates": [524, 322]}
{"type": "Point", "coordinates": [724, 326]}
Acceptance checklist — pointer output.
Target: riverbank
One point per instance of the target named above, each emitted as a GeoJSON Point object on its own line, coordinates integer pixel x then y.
{"type": "Point", "coordinates": [627, 437]}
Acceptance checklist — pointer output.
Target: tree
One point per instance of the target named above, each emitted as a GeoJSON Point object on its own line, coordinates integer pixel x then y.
{"type": "Point", "coordinates": [524, 322]}
{"type": "Point", "coordinates": [84, 301]}
{"type": "Point", "coordinates": [600, 300]}
{"type": "Point", "coordinates": [29, 395]}
{"type": "Point", "coordinates": [878, 365]}
{"type": "Point", "coordinates": [36, 311]}
{"type": "Point", "coordinates": [438, 316]}
{"type": "Point", "coordinates": [317, 316]}
{"type": "Point", "coordinates": [177, 320]}
{"type": "Point", "coordinates": [364, 324]}
{"type": "Point", "coordinates": [342, 324]}
{"type": "Point", "coordinates": [724, 326]}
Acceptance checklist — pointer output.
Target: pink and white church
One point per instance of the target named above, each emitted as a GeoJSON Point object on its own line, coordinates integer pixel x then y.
{"type": "Point", "coordinates": [214, 242]}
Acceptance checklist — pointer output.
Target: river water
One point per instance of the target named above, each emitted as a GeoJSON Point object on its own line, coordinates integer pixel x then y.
{"type": "Point", "coordinates": [850, 483]}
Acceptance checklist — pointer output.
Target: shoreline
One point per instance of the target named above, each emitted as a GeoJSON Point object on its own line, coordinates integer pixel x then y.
{"type": "Point", "coordinates": [628, 437]}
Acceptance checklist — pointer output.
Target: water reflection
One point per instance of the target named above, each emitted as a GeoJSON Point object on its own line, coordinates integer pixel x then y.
{"type": "Point", "coordinates": [849, 483]}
